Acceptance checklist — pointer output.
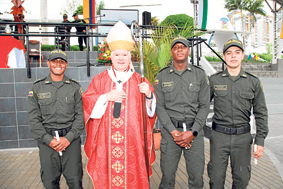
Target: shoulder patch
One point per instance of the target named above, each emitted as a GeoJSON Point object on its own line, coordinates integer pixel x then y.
{"type": "Point", "coordinates": [198, 67]}
{"type": "Point", "coordinates": [74, 81]}
{"type": "Point", "coordinates": [164, 68]}
{"type": "Point", "coordinates": [251, 74]}
{"type": "Point", "coordinates": [216, 73]}
{"type": "Point", "coordinates": [41, 79]}
{"type": "Point", "coordinates": [81, 91]}
{"type": "Point", "coordinates": [30, 93]}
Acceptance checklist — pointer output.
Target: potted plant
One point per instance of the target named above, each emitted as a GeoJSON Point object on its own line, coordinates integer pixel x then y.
{"type": "Point", "coordinates": [104, 54]}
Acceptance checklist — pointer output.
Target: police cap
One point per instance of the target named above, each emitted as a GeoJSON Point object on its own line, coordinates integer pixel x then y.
{"type": "Point", "coordinates": [180, 39]}
{"type": "Point", "coordinates": [57, 54]}
{"type": "Point", "coordinates": [233, 42]}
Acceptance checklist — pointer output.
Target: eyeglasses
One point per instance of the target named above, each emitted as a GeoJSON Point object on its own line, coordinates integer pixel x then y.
{"type": "Point", "coordinates": [60, 61]}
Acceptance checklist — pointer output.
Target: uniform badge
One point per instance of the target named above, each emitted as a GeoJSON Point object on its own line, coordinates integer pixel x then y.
{"type": "Point", "coordinates": [220, 87]}
{"type": "Point", "coordinates": [156, 82]}
{"type": "Point", "coordinates": [30, 93]}
{"type": "Point", "coordinates": [167, 84]}
{"type": "Point", "coordinates": [44, 95]}
{"type": "Point", "coordinates": [81, 91]}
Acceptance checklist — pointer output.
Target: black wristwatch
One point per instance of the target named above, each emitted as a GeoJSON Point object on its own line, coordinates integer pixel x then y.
{"type": "Point", "coordinates": [195, 133]}
{"type": "Point", "coordinates": [149, 98]}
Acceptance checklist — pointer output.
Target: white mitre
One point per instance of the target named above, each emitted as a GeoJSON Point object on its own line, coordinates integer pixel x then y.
{"type": "Point", "coordinates": [120, 37]}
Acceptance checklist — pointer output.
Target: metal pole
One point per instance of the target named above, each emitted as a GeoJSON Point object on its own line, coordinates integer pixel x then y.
{"type": "Point", "coordinates": [27, 53]}
{"type": "Point", "coordinates": [192, 52]}
{"type": "Point", "coordinates": [87, 53]}
{"type": "Point", "coordinates": [197, 52]}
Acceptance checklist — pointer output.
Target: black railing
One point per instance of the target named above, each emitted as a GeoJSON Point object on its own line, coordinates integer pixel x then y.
{"type": "Point", "coordinates": [195, 41]}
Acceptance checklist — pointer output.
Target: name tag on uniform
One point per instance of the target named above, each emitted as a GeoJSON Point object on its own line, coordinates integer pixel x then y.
{"type": "Point", "coordinates": [220, 87]}
{"type": "Point", "coordinates": [44, 95]}
{"type": "Point", "coordinates": [167, 84]}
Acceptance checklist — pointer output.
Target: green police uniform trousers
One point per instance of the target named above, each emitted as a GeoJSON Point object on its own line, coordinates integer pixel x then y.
{"type": "Point", "coordinates": [53, 165]}
{"type": "Point", "coordinates": [170, 157]}
{"type": "Point", "coordinates": [238, 147]}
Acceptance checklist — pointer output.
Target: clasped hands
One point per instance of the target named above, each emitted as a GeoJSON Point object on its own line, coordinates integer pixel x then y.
{"type": "Point", "coordinates": [60, 145]}
{"type": "Point", "coordinates": [119, 95]}
{"type": "Point", "coordinates": [183, 139]}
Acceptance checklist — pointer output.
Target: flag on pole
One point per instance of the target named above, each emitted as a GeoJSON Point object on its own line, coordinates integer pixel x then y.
{"type": "Point", "coordinates": [250, 56]}
{"type": "Point", "coordinates": [256, 57]}
{"type": "Point", "coordinates": [202, 18]}
{"type": "Point", "coordinates": [89, 11]}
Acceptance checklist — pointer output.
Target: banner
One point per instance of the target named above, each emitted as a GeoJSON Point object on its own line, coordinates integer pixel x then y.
{"type": "Point", "coordinates": [202, 18]}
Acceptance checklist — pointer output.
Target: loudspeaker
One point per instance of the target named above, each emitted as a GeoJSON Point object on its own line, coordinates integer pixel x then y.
{"type": "Point", "coordinates": [146, 18]}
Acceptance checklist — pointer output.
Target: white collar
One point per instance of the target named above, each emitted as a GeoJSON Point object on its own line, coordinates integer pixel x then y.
{"type": "Point", "coordinates": [122, 77]}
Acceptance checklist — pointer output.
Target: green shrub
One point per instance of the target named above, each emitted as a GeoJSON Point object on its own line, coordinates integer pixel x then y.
{"type": "Point", "coordinates": [180, 21]}
{"type": "Point", "coordinates": [266, 57]}
{"type": "Point", "coordinates": [73, 47]}
{"type": "Point", "coordinates": [47, 47]}
{"type": "Point", "coordinates": [269, 48]}
{"type": "Point", "coordinates": [213, 59]}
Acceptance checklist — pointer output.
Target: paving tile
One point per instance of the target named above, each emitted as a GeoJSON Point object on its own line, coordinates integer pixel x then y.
{"type": "Point", "coordinates": [20, 169]}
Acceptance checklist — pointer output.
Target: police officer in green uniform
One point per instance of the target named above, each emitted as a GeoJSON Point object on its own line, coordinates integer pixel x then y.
{"type": "Point", "coordinates": [67, 30]}
{"type": "Point", "coordinates": [182, 92]}
{"type": "Point", "coordinates": [235, 93]}
{"type": "Point", "coordinates": [80, 30]}
{"type": "Point", "coordinates": [55, 105]}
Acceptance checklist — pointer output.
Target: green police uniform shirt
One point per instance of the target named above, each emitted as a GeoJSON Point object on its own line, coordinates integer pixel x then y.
{"type": "Point", "coordinates": [182, 97]}
{"type": "Point", "coordinates": [233, 100]}
{"type": "Point", "coordinates": [79, 28]}
{"type": "Point", "coordinates": [55, 105]}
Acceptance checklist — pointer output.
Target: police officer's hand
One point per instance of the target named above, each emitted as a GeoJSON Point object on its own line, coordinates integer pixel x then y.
{"type": "Point", "coordinates": [184, 138]}
{"type": "Point", "coordinates": [64, 143]}
{"type": "Point", "coordinates": [60, 145]}
{"type": "Point", "coordinates": [54, 143]}
{"type": "Point", "coordinates": [176, 135]}
{"type": "Point", "coordinates": [259, 152]}
{"type": "Point", "coordinates": [115, 95]}
{"type": "Point", "coordinates": [144, 88]}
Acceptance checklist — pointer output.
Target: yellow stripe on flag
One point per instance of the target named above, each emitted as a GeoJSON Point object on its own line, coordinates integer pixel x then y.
{"type": "Point", "coordinates": [86, 10]}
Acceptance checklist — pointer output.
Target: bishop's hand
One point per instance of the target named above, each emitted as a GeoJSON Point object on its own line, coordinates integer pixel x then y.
{"type": "Point", "coordinates": [115, 95]}
{"type": "Point", "coordinates": [144, 88]}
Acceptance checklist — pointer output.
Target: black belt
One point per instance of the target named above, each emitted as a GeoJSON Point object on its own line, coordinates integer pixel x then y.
{"type": "Point", "coordinates": [61, 132]}
{"type": "Point", "coordinates": [231, 130]}
{"type": "Point", "coordinates": [179, 124]}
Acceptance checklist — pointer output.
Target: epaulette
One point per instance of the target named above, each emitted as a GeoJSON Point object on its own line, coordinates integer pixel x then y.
{"type": "Point", "coordinates": [251, 74]}
{"type": "Point", "coordinates": [198, 67]}
{"type": "Point", "coordinates": [216, 73]}
{"type": "Point", "coordinates": [74, 80]}
{"type": "Point", "coordinates": [41, 79]}
{"type": "Point", "coordinates": [164, 68]}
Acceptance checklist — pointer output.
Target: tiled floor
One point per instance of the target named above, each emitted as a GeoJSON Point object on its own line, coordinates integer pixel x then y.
{"type": "Point", "coordinates": [19, 168]}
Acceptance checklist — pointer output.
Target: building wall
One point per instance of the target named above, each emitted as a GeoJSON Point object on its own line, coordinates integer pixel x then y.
{"type": "Point", "coordinates": [14, 88]}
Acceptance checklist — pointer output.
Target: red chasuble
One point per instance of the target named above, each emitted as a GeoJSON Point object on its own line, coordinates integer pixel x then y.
{"type": "Point", "coordinates": [115, 147]}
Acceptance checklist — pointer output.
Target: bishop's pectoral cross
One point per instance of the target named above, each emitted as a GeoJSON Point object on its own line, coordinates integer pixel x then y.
{"type": "Point", "coordinates": [117, 105]}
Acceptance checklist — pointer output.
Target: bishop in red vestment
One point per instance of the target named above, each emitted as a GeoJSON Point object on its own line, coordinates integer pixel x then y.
{"type": "Point", "coordinates": [114, 125]}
